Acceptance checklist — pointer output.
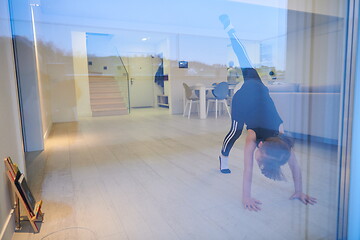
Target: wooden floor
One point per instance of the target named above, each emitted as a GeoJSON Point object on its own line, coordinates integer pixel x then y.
{"type": "Point", "coordinates": [151, 175]}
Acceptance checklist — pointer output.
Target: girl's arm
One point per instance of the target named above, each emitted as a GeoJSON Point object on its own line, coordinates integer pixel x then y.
{"type": "Point", "coordinates": [296, 173]}
{"type": "Point", "coordinates": [250, 145]}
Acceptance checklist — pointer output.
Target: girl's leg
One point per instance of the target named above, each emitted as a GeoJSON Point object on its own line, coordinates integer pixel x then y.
{"type": "Point", "coordinates": [246, 66]}
{"type": "Point", "coordinates": [231, 137]}
{"type": "Point", "coordinates": [239, 49]}
{"type": "Point", "coordinates": [229, 141]}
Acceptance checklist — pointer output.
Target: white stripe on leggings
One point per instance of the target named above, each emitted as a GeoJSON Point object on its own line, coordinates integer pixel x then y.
{"type": "Point", "coordinates": [232, 133]}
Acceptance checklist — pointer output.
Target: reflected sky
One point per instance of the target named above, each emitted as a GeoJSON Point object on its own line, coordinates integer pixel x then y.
{"type": "Point", "coordinates": [255, 22]}
{"type": "Point", "coordinates": [261, 25]}
{"type": "Point", "coordinates": [130, 22]}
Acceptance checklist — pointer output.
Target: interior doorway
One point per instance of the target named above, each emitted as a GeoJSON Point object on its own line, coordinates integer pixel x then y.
{"type": "Point", "coordinates": [141, 72]}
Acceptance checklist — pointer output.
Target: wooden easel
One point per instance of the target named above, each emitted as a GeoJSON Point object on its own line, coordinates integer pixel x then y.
{"type": "Point", "coordinates": [33, 215]}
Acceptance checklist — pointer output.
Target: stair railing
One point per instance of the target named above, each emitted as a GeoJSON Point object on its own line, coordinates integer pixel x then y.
{"type": "Point", "coordinates": [123, 72]}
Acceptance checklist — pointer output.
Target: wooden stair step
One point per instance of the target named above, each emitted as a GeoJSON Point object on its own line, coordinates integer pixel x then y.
{"type": "Point", "coordinates": [107, 106]}
{"type": "Point", "coordinates": [119, 101]}
{"type": "Point", "coordinates": [111, 109]}
{"type": "Point", "coordinates": [110, 112]}
{"type": "Point", "coordinates": [106, 101]}
{"type": "Point", "coordinates": [104, 90]}
{"type": "Point", "coordinates": [100, 76]}
{"type": "Point", "coordinates": [101, 79]}
{"type": "Point", "coordinates": [107, 84]}
{"type": "Point", "coordinates": [103, 83]}
{"type": "Point", "coordinates": [105, 95]}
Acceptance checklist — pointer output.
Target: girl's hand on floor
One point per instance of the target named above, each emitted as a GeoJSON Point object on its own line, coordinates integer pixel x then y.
{"type": "Point", "coordinates": [251, 204]}
{"type": "Point", "coordinates": [304, 198]}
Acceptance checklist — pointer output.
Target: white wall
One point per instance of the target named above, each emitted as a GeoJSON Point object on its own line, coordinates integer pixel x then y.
{"type": "Point", "coordinates": [44, 90]}
{"type": "Point", "coordinates": [314, 54]}
{"type": "Point", "coordinates": [56, 66]}
{"type": "Point", "coordinates": [44, 84]}
{"type": "Point", "coordinates": [204, 56]}
{"type": "Point", "coordinates": [63, 98]}
{"type": "Point", "coordinates": [81, 78]}
{"type": "Point", "coordinates": [10, 130]}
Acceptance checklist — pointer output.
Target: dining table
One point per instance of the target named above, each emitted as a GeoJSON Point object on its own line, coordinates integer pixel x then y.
{"type": "Point", "coordinates": [202, 88]}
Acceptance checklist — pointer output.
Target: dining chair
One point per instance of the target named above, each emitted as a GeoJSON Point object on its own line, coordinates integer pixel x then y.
{"type": "Point", "coordinates": [189, 99]}
{"type": "Point", "coordinates": [220, 93]}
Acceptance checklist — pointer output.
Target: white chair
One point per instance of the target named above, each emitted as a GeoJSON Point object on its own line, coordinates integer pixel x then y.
{"type": "Point", "coordinates": [189, 100]}
{"type": "Point", "coordinates": [220, 93]}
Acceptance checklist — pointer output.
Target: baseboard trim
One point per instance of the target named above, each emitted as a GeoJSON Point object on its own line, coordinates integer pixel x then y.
{"type": "Point", "coordinates": [6, 224]}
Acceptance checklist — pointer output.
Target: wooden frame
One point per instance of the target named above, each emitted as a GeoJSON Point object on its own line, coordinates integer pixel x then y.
{"type": "Point", "coordinates": [34, 215]}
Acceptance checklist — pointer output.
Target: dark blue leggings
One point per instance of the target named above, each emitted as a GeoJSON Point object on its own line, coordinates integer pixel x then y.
{"type": "Point", "coordinates": [231, 137]}
{"type": "Point", "coordinates": [248, 73]}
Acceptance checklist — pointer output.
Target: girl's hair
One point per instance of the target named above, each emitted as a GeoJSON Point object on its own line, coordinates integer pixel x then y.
{"type": "Point", "coordinates": [277, 152]}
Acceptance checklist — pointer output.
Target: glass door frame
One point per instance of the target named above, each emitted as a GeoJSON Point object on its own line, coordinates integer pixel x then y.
{"type": "Point", "coordinates": [347, 122]}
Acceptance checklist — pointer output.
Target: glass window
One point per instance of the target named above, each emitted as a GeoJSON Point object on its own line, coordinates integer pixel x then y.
{"type": "Point", "coordinates": [265, 96]}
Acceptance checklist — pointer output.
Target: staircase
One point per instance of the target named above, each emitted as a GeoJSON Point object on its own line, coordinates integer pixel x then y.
{"type": "Point", "coordinates": [105, 96]}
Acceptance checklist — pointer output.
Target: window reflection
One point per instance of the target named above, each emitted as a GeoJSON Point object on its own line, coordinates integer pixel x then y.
{"type": "Point", "coordinates": [98, 60]}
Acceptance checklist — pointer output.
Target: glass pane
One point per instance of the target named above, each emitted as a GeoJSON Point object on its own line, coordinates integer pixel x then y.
{"type": "Point", "coordinates": [256, 84]}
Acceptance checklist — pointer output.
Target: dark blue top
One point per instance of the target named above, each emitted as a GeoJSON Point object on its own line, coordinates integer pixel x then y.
{"type": "Point", "coordinates": [253, 106]}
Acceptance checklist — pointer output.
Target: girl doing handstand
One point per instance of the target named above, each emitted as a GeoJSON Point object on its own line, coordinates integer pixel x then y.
{"type": "Point", "coordinates": [265, 140]}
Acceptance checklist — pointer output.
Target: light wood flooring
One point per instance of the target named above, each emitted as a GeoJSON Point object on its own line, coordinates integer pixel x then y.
{"type": "Point", "coordinates": [150, 175]}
